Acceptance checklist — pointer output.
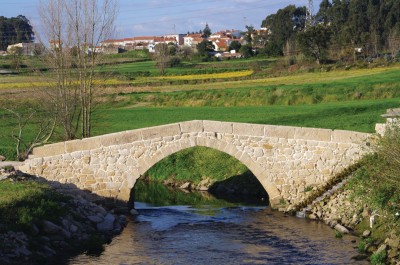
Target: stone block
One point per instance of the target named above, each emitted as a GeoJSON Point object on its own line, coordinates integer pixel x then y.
{"type": "Point", "coordinates": [161, 131]}
{"type": "Point", "coordinates": [313, 134]}
{"type": "Point", "coordinates": [191, 126]}
{"type": "Point", "coordinates": [286, 132]}
{"type": "Point", "coordinates": [218, 127]}
{"type": "Point", "coordinates": [90, 143]}
{"type": "Point", "coordinates": [340, 136]}
{"type": "Point", "coordinates": [112, 139]}
{"type": "Point", "coordinates": [49, 150]}
{"type": "Point", "coordinates": [73, 146]}
{"type": "Point", "coordinates": [132, 136]}
{"type": "Point", "coordinates": [248, 129]}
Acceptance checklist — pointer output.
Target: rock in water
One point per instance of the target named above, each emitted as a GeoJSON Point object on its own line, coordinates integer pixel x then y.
{"type": "Point", "coordinates": [312, 216]}
{"type": "Point", "coordinates": [341, 229]}
{"type": "Point", "coordinates": [133, 212]}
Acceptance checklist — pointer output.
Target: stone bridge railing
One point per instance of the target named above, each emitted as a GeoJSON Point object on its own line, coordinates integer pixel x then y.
{"type": "Point", "coordinates": [286, 160]}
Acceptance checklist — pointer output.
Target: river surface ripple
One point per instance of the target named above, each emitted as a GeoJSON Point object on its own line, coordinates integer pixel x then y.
{"type": "Point", "coordinates": [230, 235]}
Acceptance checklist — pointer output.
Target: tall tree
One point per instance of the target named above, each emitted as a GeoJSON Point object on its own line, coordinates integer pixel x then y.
{"type": "Point", "coordinates": [323, 14]}
{"type": "Point", "coordinates": [314, 41]}
{"type": "Point", "coordinates": [204, 47]}
{"type": "Point", "coordinates": [15, 30]}
{"type": "Point", "coordinates": [249, 34]}
{"type": "Point", "coordinates": [207, 31]}
{"type": "Point", "coordinates": [235, 45]}
{"type": "Point", "coordinates": [284, 25]}
{"type": "Point", "coordinates": [162, 57]}
{"type": "Point", "coordinates": [75, 28]}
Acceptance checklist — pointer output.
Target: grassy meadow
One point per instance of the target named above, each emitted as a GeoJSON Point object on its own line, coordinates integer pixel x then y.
{"type": "Point", "coordinates": [134, 95]}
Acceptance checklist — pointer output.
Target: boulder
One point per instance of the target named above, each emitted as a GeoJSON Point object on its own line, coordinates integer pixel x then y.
{"type": "Point", "coordinates": [312, 216]}
{"type": "Point", "coordinates": [49, 251]}
{"type": "Point", "coordinates": [381, 248]}
{"type": "Point", "coordinates": [133, 212]}
{"type": "Point", "coordinates": [23, 251]}
{"type": "Point", "coordinates": [366, 233]}
{"type": "Point", "coordinates": [2, 158]}
{"type": "Point", "coordinates": [95, 219]}
{"type": "Point", "coordinates": [185, 186]}
{"type": "Point", "coordinates": [340, 228]}
{"type": "Point", "coordinates": [73, 228]}
{"type": "Point", "coordinates": [107, 224]}
{"type": "Point", "coordinates": [53, 229]}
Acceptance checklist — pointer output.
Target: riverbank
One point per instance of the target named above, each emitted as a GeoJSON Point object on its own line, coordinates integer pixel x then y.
{"type": "Point", "coordinates": [43, 221]}
{"type": "Point", "coordinates": [243, 187]}
{"type": "Point", "coordinates": [366, 206]}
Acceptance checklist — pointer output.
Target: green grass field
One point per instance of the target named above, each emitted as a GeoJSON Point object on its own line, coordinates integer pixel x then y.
{"type": "Point", "coordinates": [349, 115]}
{"type": "Point", "coordinates": [339, 99]}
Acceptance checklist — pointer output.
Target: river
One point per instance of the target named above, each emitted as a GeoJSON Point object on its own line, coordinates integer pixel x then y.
{"type": "Point", "coordinates": [194, 228]}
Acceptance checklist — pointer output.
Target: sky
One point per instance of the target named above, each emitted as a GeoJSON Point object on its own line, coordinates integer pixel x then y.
{"type": "Point", "coordinates": [159, 17]}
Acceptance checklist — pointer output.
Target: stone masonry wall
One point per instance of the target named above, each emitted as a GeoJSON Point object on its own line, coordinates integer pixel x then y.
{"type": "Point", "coordinates": [286, 160]}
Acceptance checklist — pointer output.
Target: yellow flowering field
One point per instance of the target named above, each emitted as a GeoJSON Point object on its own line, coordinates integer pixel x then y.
{"type": "Point", "coordinates": [225, 75]}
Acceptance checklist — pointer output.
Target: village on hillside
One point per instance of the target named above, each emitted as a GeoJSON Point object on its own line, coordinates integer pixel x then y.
{"type": "Point", "coordinates": [221, 42]}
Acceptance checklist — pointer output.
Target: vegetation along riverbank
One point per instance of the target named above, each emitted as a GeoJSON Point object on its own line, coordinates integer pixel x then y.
{"type": "Point", "coordinates": [43, 222]}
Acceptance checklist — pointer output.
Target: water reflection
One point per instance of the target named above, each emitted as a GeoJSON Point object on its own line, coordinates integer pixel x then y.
{"type": "Point", "coordinates": [203, 230]}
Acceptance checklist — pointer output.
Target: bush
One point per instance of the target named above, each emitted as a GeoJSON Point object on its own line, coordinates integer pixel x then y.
{"type": "Point", "coordinates": [378, 258]}
{"type": "Point", "coordinates": [174, 61]}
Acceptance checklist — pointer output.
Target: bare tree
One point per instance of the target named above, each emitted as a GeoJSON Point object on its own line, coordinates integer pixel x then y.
{"type": "Point", "coordinates": [74, 30]}
{"type": "Point", "coordinates": [162, 57]}
{"type": "Point", "coordinates": [43, 131]}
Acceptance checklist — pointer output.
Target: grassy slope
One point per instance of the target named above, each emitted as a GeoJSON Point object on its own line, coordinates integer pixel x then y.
{"type": "Point", "coordinates": [352, 100]}
{"type": "Point", "coordinates": [351, 115]}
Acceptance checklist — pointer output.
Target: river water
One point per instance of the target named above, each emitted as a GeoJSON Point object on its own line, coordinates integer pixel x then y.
{"type": "Point", "coordinates": [204, 230]}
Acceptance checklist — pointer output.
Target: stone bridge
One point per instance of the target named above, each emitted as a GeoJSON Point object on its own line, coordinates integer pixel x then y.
{"type": "Point", "coordinates": [286, 160]}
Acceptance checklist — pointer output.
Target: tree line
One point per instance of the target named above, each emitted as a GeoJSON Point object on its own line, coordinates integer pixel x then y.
{"type": "Point", "coordinates": [340, 26]}
{"type": "Point", "coordinates": [15, 30]}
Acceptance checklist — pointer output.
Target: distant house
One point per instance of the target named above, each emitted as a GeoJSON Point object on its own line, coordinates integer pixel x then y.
{"type": "Point", "coordinates": [228, 55]}
{"type": "Point", "coordinates": [231, 34]}
{"type": "Point", "coordinates": [141, 43]}
{"type": "Point", "coordinates": [113, 43]}
{"type": "Point", "coordinates": [192, 40]}
{"type": "Point", "coordinates": [29, 49]}
{"type": "Point", "coordinates": [55, 44]}
{"type": "Point", "coordinates": [177, 37]}
{"type": "Point", "coordinates": [221, 44]}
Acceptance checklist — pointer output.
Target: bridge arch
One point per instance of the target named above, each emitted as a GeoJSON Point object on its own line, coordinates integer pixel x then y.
{"type": "Point", "coordinates": [216, 144]}
{"type": "Point", "coordinates": [284, 159]}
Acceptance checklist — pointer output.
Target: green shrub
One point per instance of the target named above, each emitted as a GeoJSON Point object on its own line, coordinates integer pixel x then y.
{"type": "Point", "coordinates": [378, 258]}
{"type": "Point", "coordinates": [361, 246]}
